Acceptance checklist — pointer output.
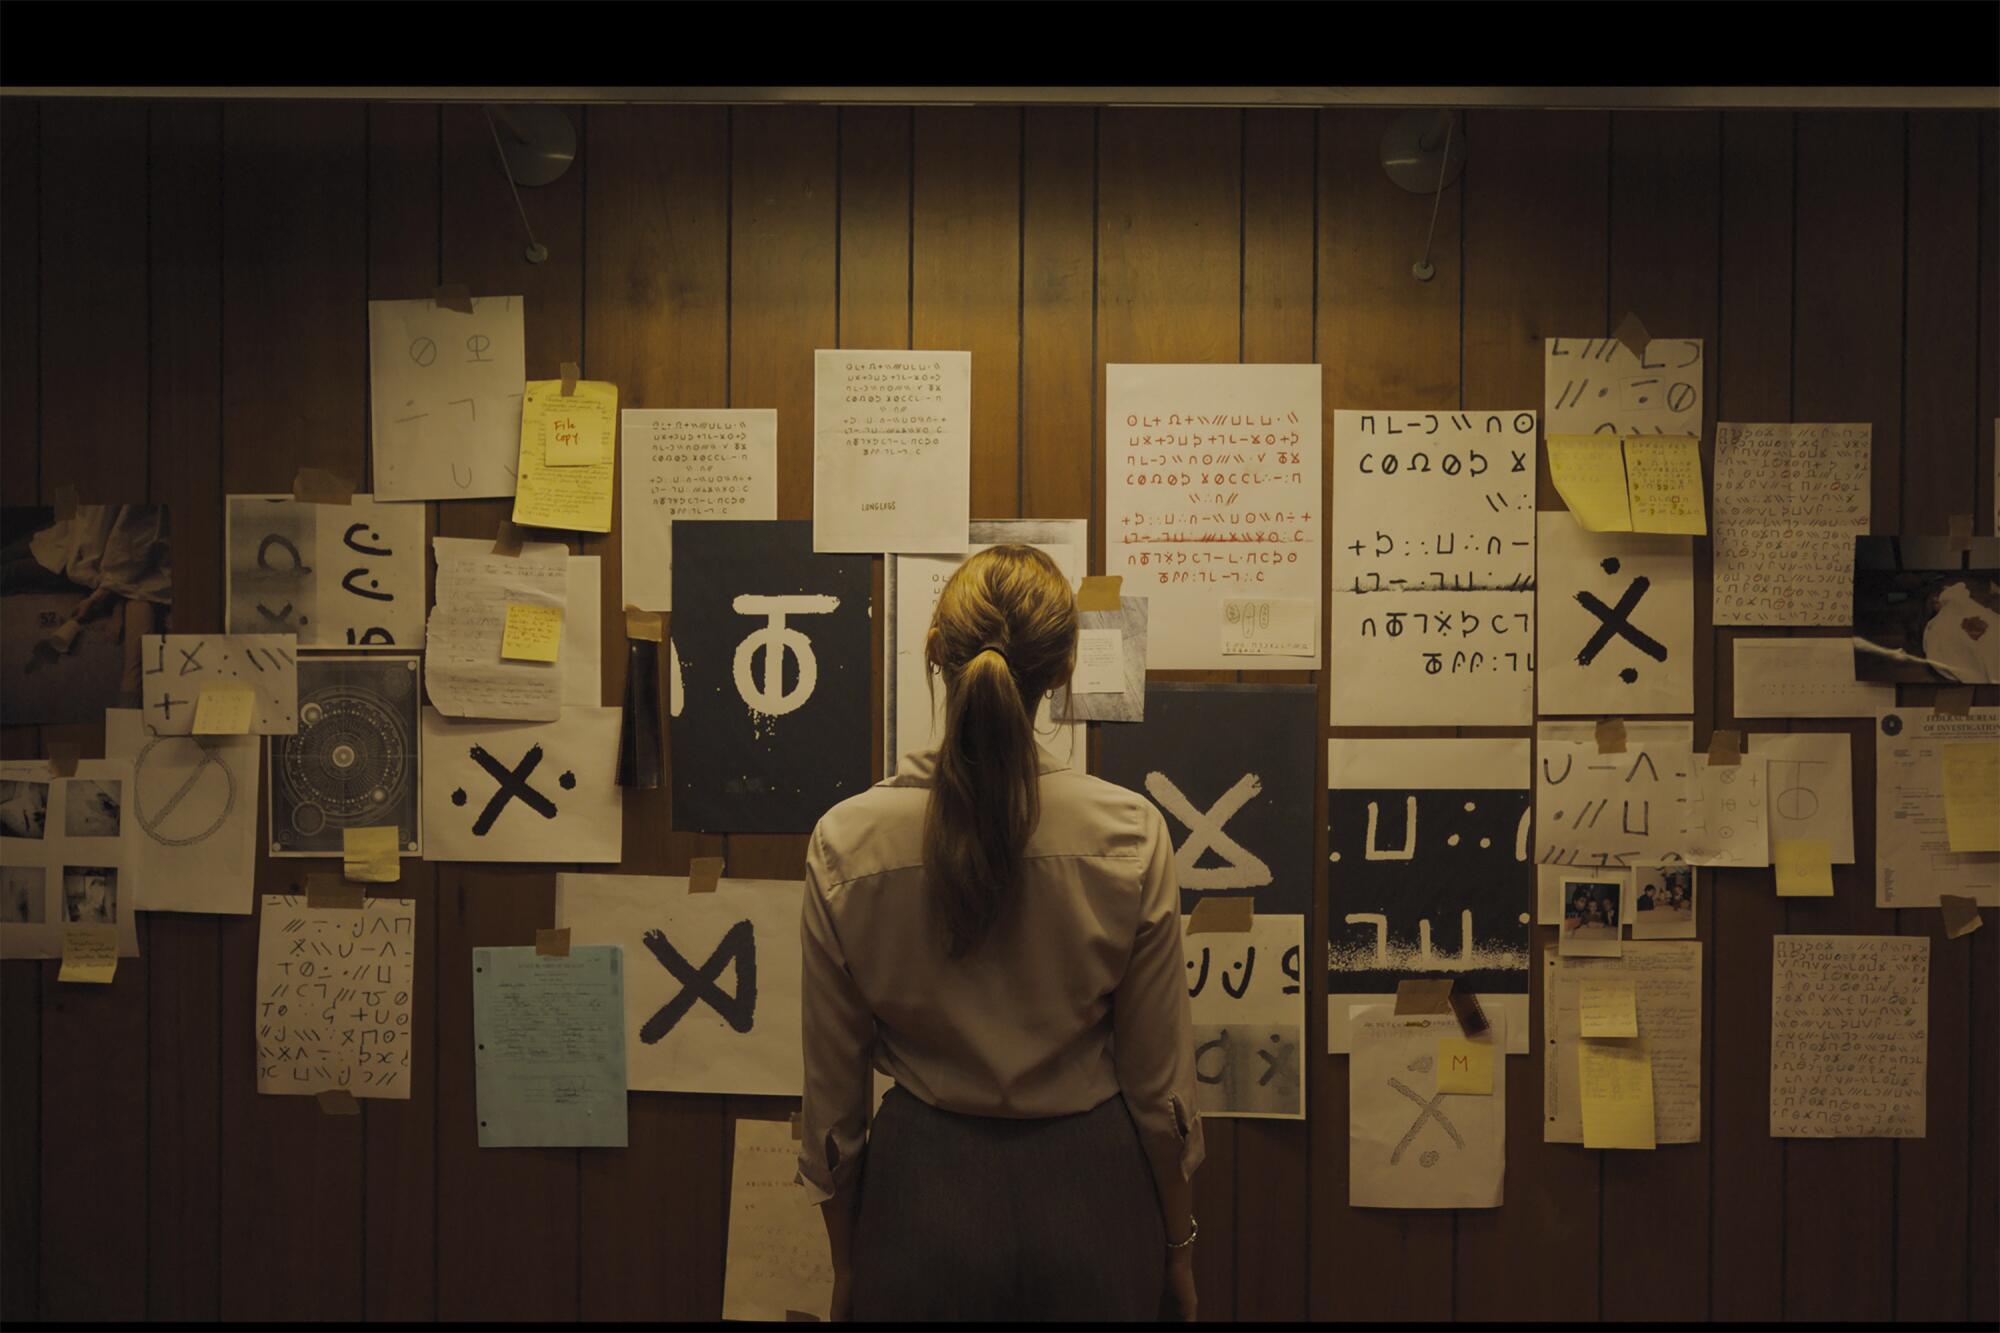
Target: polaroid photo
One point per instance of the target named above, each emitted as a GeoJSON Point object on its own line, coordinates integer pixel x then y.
{"type": "Point", "coordinates": [1592, 907]}
{"type": "Point", "coordinates": [1661, 905]}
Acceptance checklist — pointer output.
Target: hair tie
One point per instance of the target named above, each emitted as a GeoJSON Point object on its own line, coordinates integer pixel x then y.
{"type": "Point", "coordinates": [996, 649]}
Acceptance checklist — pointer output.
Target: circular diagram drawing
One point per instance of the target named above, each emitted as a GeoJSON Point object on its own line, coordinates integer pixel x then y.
{"type": "Point", "coordinates": [352, 763]}
{"type": "Point", "coordinates": [177, 810]}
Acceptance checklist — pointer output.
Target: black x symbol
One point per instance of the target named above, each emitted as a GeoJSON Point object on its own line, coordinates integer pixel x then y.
{"type": "Point", "coordinates": [1617, 620]}
{"type": "Point", "coordinates": [739, 1010]}
{"type": "Point", "coordinates": [511, 785]}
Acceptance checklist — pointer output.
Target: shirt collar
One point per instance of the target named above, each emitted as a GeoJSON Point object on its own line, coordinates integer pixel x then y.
{"type": "Point", "coordinates": [918, 767]}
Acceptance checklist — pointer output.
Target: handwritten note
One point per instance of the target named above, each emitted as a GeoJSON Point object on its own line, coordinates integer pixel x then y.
{"type": "Point", "coordinates": [1850, 1036]}
{"type": "Point", "coordinates": [1589, 473]}
{"type": "Point", "coordinates": [1615, 1087]}
{"type": "Point", "coordinates": [532, 633]}
{"type": "Point", "coordinates": [682, 463]}
{"type": "Point", "coordinates": [225, 708]}
{"type": "Point", "coordinates": [566, 495]}
{"type": "Point", "coordinates": [1802, 867]}
{"type": "Point", "coordinates": [892, 451]}
{"type": "Point", "coordinates": [1666, 985]}
{"type": "Point", "coordinates": [1123, 698]}
{"type": "Point", "coordinates": [1597, 386]}
{"type": "Point", "coordinates": [1789, 500]}
{"type": "Point", "coordinates": [178, 667]}
{"type": "Point", "coordinates": [1465, 1065]}
{"type": "Point", "coordinates": [1270, 627]}
{"type": "Point", "coordinates": [464, 667]}
{"type": "Point", "coordinates": [777, 1260]}
{"type": "Point", "coordinates": [1599, 811]}
{"type": "Point", "coordinates": [372, 855]}
{"type": "Point", "coordinates": [445, 397]}
{"type": "Point", "coordinates": [1433, 567]}
{"type": "Point", "coordinates": [1100, 662]}
{"type": "Point", "coordinates": [1663, 476]}
{"type": "Point", "coordinates": [1608, 1008]}
{"type": "Point", "coordinates": [549, 1047]}
{"type": "Point", "coordinates": [1212, 490]}
{"type": "Point", "coordinates": [1727, 819]}
{"type": "Point", "coordinates": [1971, 773]}
{"type": "Point", "coordinates": [1914, 859]}
{"type": "Point", "coordinates": [89, 954]}
{"type": "Point", "coordinates": [334, 996]}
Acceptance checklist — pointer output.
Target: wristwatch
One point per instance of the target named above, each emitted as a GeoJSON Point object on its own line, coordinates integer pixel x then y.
{"type": "Point", "coordinates": [1194, 1229]}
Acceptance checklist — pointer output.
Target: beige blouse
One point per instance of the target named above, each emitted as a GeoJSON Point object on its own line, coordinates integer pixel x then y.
{"type": "Point", "coordinates": [1080, 991]}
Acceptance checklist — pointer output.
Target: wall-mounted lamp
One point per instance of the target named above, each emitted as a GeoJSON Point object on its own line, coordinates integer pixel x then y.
{"type": "Point", "coordinates": [1422, 151]}
{"type": "Point", "coordinates": [536, 144]}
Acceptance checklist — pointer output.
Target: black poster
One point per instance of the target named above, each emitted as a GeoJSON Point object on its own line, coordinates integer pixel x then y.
{"type": "Point", "coordinates": [1231, 767]}
{"type": "Point", "coordinates": [768, 668]}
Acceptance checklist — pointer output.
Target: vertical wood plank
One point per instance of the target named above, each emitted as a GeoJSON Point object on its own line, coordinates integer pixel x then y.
{"type": "Point", "coordinates": [490, 1265]}
{"type": "Point", "coordinates": [94, 413]}
{"type": "Point", "coordinates": [1752, 367]}
{"type": "Point", "coordinates": [1058, 320]}
{"type": "Point", "coordinates": [1385, 341]}
{"type": "Point", "coordinates": [656, 305]}
{"type": "Point", "coordinates": [1169, 289]}
{"type": "Point", "coordinates": [1847, 362]}
{"type": "Point", "coordinates": [1534, 251]}
{"type": "Point", "coordinates": [294, 360]}
{"type": "Point", "coordinates": [184, 963]}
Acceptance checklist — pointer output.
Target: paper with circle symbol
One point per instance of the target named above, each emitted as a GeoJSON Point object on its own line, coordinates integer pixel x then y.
{"type": "Point", "coordinates": [523, 791]}
{"type": "Point", "coordinates": [195, 805]}
{"type": "Point", "coordinates": [1811, 787]}
{"type": "Point", "coordinates": [445, 391]}
{"type": "Point", "coordinates": [1410, 1145]}
{"type": "Point", "coordinates": [354, 763]}
{"type": "Point", "coordinates": [771, 650]}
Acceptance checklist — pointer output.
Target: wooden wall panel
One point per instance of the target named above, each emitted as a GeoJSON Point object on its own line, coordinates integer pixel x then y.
{"type": "Point", "coordinates": [181, 315]}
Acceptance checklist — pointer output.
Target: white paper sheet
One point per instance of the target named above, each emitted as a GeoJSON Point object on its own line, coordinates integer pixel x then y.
{"type": "Point", "coordinates": [1408, 1145]}
{"type": "Point", "coordinates": [1100, 661]}
{"type": "Point", "coordinates": [1914, 862]}
{"type": "Point", "coordinates": [445, 393]}
{"type": "Point", "coordinates": [892, 450]}
{"type": "Point", "coordinates": [778, 1260]}
{"type": "Point", "coordinates": [194, 803]}
{"type": "Point", "coordinates": [463, 670]}
{"type": "Point", "coordinates": [1595, 386]}
{"type": "Point", "coordinates": [689, 463]}
{"type": "Point", "coordinates": [1625, 602]}
{"type": "Point", "coordinates": [1666, 982]}
{"type": "Point", "coordinates": [1850, 1036]}
{"type": "Point", "coordinates": [1804, 678]}
{"type": "Point", "coordinates": [1789, 501]}
{"type": "Point", "coordinates": [1212, 490]}
{"type": "Point", "coordinates": [1270, 627]}
{"type": "Point", "coordinates": [1596, 810]}
{"type": "Point", "coordinates": [337, 576]}
{"type": "Point", "coordinates": [1433, 559]}
{"type": "Point", "coordinates": [334, 997]}
{"type": "Point", "coordinates": [1125, 697]}
{"type": "Point", "coordinates": [1247, 996]}
{"type": "Point", "coordinates": [1811, 787]}
{"type": "Point", "coordinates": [912, 585]}
{"type": "Point", "coordinates": [68, 856]}
{"type": "Point", "coordinates": [1730, 822]}
{"type": "Point", "coordinates": [711, 979]}
{"type": "Point", "coordinates": [523, 791]}
{"type": "Point", "coordinates": [178, 666]}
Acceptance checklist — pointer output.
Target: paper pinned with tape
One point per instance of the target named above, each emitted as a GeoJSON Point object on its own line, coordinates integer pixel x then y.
{"type": "Point", "coordinates": [1632, 333]}
{"type": "Point", "coordinates": [335, 891]}
{"type": "Point", "coordinates": [1214, 916]}
{"type": "Point", "coordinates": [1615, 1089]}
{"type": "Point", "coordinates": [1961, 915]}
{"type": "Point", "coordinates": [373, 855]}
{"type": "Point", "coordinates": [704, 872]}
{"type": "Point", "coordinates": [1725, 748]}
{"type": "Point", "coordinates": [62, 758]}
{"type": "Point", "coordinates": [1099, 592]}
{"type": "Point", "coordinates": [453, 296]}
{"type": "Point", "coordinates": [314, 485]}
{"type": "Point", "coordinates": [1953, 701]}
{"type": "Point", "coordinates": [648, 625]}
{"type": "Point", "coordinates": [571, 373]}
{"type": "Point", "coordinates": [508, 539]}
{"type": "Point", "coordinates": [552, 943]}
{"type": "Point", "coordinates": [1611, 735]}
{"type": "Point", "coordinates": [338, 1101]}
{"type": "Point", "coordinates": [90, 954]}
{"type": "Point", "coordinates": [1423, 995]}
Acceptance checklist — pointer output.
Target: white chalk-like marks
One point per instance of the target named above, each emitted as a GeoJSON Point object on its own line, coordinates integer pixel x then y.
{"type": "Point", "coordinates": [1245, 869]}
{"type": "Point", "coordinates": [768, 696]}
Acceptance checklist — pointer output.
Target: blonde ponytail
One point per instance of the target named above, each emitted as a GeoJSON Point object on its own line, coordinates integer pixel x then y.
{"type": "Point", "coordinates": [1005, 631]}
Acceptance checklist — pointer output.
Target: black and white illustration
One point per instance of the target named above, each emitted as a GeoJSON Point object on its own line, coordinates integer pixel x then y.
{"type": "Point", "coordinates": [712, 979]}
{"type": "Point", "coordinates": [180, 666]}
{"type": "Point", "coordinates": [1247, 996]}
{"type": "Point", "coordinates": [1593, 912]}
{"type": "Point", "coordinates": [193, 802]}
{"type": "Point", "coordinates": [445, 389]}
{"type": "Point", "coordinates": [523, 791]}
{"type": "Point", "coordinates": [77, 597]}
{"type": "Point", "coordinates": [1428, 875]}
{"type": "Point", "coordinates": [1600, 386]}
{"type": "Point", "coordinates": [1231, 768]}
{"type": "Point", "coordinates": [354, 762]}
{"type": "Point", "coordinates": [24, 895]}
{"type": "Point", "coordinates": [93, 808]}
{"type": "Point", "coordinates": [1663, 906]}
{"type": "Point", "coordinates": [771, 648]}
{"type": "Point", "coordinates": [1614, 628]}
{"type": "Point", "coordinates": [80, 869]}
{"type": "Point", "coordinates": [1926, 611]}
{"type": "Point", "coordinates": [24, 808]}
{"type": "Point", "coordinates": [1410, 1145]}
{"type": "Point", "coordinates": [90, 895]}
{"type": "Point", "coordinates": [336, 575]}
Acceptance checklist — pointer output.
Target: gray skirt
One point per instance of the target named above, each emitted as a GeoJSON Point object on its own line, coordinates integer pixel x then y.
{"type": "Point", "coordinates": [967, 1217]}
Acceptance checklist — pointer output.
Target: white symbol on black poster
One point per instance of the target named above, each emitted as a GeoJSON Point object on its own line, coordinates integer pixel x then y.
{"type": "Point", "coordinates": [771, 654]}
{"type": "Point", "coordinates": [353, 763]}
{"type": "Point", "coordinates": [1231, 768]}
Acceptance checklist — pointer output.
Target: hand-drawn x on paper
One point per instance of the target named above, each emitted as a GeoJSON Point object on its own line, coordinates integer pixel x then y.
{"type": "Point", "coordinates": [739, 1010]}
{"type": "Point", "coordinates": [1616, 620]}
{"type": "Point", "coordinates": [1430, 1112]}
{"type": "Point", "coordinates": [512, 784]}
{"type": "Point", "coordinates": [1245, 869]}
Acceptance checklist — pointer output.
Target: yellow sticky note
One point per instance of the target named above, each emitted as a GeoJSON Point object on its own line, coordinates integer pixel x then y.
{"type": "Point", "coordinates": [1971, 794]}
{"type": "Point", "coordinates": [1663, 476]}
{"type": "Point", "coordinates": [373, 855]}
{"type": "Point", "coordinates": [1615, 1089]}
{"type": "Point", "coordinates": [1465, 1066]}
{"type": "Point", "coordinates": [573, 439]}
{"type": "Point", "coordinates": [1607, 1009]}
{"type": "Point", "coordinates": [549, 491]}
{"type": "Point", "coordinates": [90, 953]}
{"type": "Point", "coordinates": [1589, 470]}
{"type": "Point", "coordinates": [1804, 867]}
{"type": "Point", "coordinates": [224, 708]}
{"type": "Point", "coordinates": [533, 634]}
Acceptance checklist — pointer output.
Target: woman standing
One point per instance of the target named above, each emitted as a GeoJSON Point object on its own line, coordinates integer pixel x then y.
{"type": "Point", "coordinates": [1001, 935]}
